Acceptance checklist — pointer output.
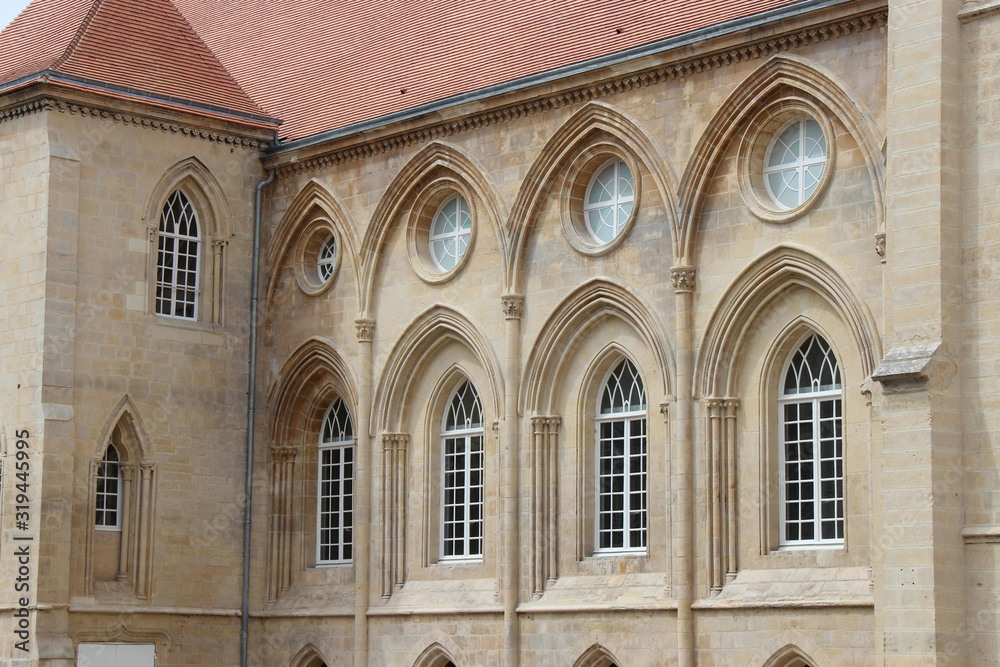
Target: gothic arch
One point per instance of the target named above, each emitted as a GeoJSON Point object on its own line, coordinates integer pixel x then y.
{"type": "Point", "coordinates": [307, 381]}
{"type": "Point", "coordinates": [441, 651]}
{"type": "Point", "coordinates": [574, 316]}
{"type": "Point", "coordinates": [418, 342]}
{"type": "Point", "coordinates": [199, 183]}
{"type": "Point", "coordinates": [569, 139]}
{"type": "Point", "coordinates": [313, 196]}
{"type": "Point", "coordinates": [596, 656]}
{"type": "Point", "coordinates": [751, 294]}
{"type": "Point", "coordinates": [772, 81]}
{"type": "Point", "coordinates": [309, 656]}
{"type": "Point", "coordinates": [790, 648]}
{"type": "Point", "coordinates": [421, 168]}
{"type": "Point", "coordinates": [125, 417]}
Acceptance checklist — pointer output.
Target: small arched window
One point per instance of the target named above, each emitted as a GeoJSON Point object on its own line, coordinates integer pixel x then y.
{"type": "Point", "coordinates": [107, 504]}
{"type": "Point", "coordinates": [462, 480]}
{"type": "Point", "coordinates": [621, 463]}
{"type": "Point", "coordinates": [177, 259]}
{"type": "Point", "coordinates": [609, 200]}
{"type": "Point", "coordinates": [335, 499]}
{"type": "Point", "coordinates": [811, 469]}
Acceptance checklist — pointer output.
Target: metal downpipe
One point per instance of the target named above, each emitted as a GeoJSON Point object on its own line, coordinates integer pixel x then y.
{"type": "Point", "coordinates": [251, 385]}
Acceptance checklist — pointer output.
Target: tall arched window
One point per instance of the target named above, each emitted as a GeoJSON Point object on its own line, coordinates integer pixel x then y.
{"type": "Point", "coordinates": [107, 503]}
{"type": "Point", "coordinates": [335, 497]}
{"type": "Point", "coordinates": [621, 463]}
{"type": "Point", "coordinates": [177, 259]}
{"type": "Point", "coordinates": [462, 480]}
{"type": "Point", "coordinates": [811, 471]}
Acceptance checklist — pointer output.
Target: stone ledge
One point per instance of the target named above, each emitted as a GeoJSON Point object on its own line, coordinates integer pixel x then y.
{"type": "Point", "coordinates": [795, 587]}
{"type": "Point", "coordinates": [981, 534]}
{"type": "Point", "coordinates": [977, 9]}
{"type": "Point", "coordinates": [905, 368]}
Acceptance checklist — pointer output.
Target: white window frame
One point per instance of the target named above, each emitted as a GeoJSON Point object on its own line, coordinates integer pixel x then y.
{"type": "Point", "coordinates": [459, 234]}
{"type": "Point", "coordinates": [633, 421]}
{"type": "Point", "coordinates": [814, 399]}
{"type": "Point", "coordinates": [799, 165]}
{"type": "Point", "coordinates": [102, 496]}
{"type": "Point", "coordinates": [467, 436]}
{"type": "Point", "coordinates": [614, 204]}
{"type": "Point", "coordinates": [326, 259]}
{"type": "Point", "coordinates": [336, 438]}
{"type": "Point", "coordinates": [167, 307]}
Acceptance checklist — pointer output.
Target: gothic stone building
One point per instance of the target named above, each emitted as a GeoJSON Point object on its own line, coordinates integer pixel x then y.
{"type": "Point", "coordinates": [536, 334]}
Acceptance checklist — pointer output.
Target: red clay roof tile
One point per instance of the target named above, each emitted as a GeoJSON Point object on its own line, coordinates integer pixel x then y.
{"type": "Point", "coordinates": [322, 64]}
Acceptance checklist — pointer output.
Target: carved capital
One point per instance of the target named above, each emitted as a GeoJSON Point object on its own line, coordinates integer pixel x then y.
{"type": "Point", "coordinates": [395, 441]}
{"type": "Point", "coordinates": [146, 470]}
{"type": "Point", "coordinates": [731, 405]}
{"type": "Point", "coordinates": [554, 423]}
{"type": "Point", "coordinates": [282, 454]}
{"type": "Point", "coordinates": [665, 409]}
{"type": "Point", "coordinates": [152, 231]}
{"type": "Point", "coordinates": [219, 244]}
{"type": "Point", "coordinates": [365, 330]}
{"type": "Point", "coordinates": [513, 306]}
{"type": "Point", "coordinates": [496, 428]}
{"type": "Point", "coordinates": [682, 278]}
{"type": "Point", "coordinates": [880, 245]}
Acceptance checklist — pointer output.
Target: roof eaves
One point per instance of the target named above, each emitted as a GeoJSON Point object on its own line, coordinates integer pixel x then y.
{"type": "Point", "coordinates": [142, 95]}
{"type": "Point", "coordinates": [652, 48]}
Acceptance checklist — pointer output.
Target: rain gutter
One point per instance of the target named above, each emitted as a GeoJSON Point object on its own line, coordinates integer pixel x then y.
{"type": "Point", "coordinates": [553, 75]}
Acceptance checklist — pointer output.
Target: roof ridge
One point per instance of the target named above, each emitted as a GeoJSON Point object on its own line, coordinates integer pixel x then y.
{"type": "Point", "coordinates": [78, 36]}
{"type": "Point", "coordinates": [218, 60]}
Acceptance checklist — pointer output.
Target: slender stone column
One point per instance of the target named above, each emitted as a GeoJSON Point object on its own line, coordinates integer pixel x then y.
{"type": "Point", "coordinates": [144, 531]}
{"type": "Point", "coordinates": [683, 280]}
{"type": "Point", "coordinates": [365, 329]}
{"type": "Point", "coordinates": [126, 497]}
{"type": "Point", "coordinates": [513, 308]}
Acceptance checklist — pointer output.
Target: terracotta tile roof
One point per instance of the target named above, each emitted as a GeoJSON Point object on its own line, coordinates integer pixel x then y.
{"type": "Point", "coordinates": [139, 47]}
{"type": "Point", "coordinates": [324, 64]}
{"type": "Point", "coordinates": [320, 64]}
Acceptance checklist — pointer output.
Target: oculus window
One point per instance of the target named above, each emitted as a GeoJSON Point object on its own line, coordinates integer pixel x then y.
{"type": "Point", "coordinates": [450, 232]}
{"type": "Point", "coordinates": [609, 200]}
{"type": "Point", "coordinates": [795, 162]}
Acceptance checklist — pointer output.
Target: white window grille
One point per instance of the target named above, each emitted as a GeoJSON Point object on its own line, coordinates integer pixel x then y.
{"type": "Point", "coordinates": [326, 261]}
{"type": "Point", "coordinates": [794, 162]}
{"type": "Point", "coordinates": [177, 259]}
{"type": "Point", "coordinates": [335, 497]}
{"type": "Point", "coordinates": [450, 233]}
{"type": "Point", "coordinates": [107, 507]}
{"type": "Point", "coordinates": [462, 484]}
{"type": "Point", "coordinates": [621, 463]}
{"type": "Point", "coordinates": [609, 200]}
{"type": "Point", "coordinates": [811, 470]}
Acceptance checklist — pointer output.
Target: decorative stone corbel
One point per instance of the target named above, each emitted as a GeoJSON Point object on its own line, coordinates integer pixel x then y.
{"type": "Point", "coordinates": [880, 246]}
{"type": "Point", "coordinates": [906, 368]}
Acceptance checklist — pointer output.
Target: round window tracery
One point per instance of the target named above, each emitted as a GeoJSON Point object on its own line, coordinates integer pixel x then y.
{"type": "Point", "coordinates": [609, 201]}
{"type": "Point", "coordinates": [450, 233]}
{"type": "Point", "coordinates": [326, 261]}
{"type": "Point", "coordinates": [795, 162]}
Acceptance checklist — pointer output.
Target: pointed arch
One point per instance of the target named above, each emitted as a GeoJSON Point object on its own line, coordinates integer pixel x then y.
{"type": "Point", "coordinates": [776, 78]}
{"type": "Point", "coordinates": [440, 652]}
{"type": "Point", "coordinates": [433, 328]}
{"type": "Point", "coordinates": [308, 380]}
{"type": "Point", "coordinates": [567, 141]}
{"type": "Point", "coordinates": [791, 648]}
{"type": "Point", "coordinates": [431, 159]}
{"type": "Point", "coordinates": [752, 293]}
{"type": "Point", "coordinates": [312, 198]}
{"type": "Point", "coordinates": [596, 656]}
{"type": "Point", "coordinates": [125, 426]}
{"type": "Point", "coordinates": [200, 184]}
{"type": "Point", "coordinates": [574, 316]}
{"type": "Point", "coordinates": [309, 656]}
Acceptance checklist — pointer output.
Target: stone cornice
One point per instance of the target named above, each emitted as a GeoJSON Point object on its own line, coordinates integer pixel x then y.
{"type": "Point", "coordinates": [131, 118]}
{"type": "Point", "coordinates": [754, 50]}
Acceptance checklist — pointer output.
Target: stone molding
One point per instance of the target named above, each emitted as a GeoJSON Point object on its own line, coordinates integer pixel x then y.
{"type": "Point", "coordinates": [978, 9]}
{"type": "Point", "coordinates": [127, 119]}
{"type": "Point", "coordinates": [874, 20]}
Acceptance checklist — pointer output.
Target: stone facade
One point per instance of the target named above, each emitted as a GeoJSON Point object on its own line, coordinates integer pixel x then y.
{"type": "Point", "coordinates": [708, 291]}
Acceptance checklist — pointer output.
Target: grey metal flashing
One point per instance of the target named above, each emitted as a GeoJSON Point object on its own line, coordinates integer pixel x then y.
{"type": "Point", "coordinates": [515, 85]}
{"type": "Point", "coordinates": [146, 96]}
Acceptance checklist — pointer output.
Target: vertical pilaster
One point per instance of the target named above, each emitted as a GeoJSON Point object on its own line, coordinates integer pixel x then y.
{"type": "Point", "coordinates": [365, 330]}
{"type": "Point", "coordinates": [144, 531]}
{"type": "Point", "coordinates": [922, 601]}
{"type": "Point", "coordinates": [128, 472]}
{"type": "Point", "coordinates": [683, 280]}
{"type": "Point", "coordinates": [393, 512]}
{"type": "Point", "coordinates": [730, 406]}
{"type": "Point", "coordinates": [513, 309]}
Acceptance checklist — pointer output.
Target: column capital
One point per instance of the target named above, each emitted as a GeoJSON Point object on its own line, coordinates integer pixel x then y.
{"type": "Point", "coordinates": [365, 329]}
{"type": "Point", "coordinates": [282, 454]}
{"type": "Point", "coordinates": [682, 278]}
{"type": "Point", "coordinates": [513, 306]}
